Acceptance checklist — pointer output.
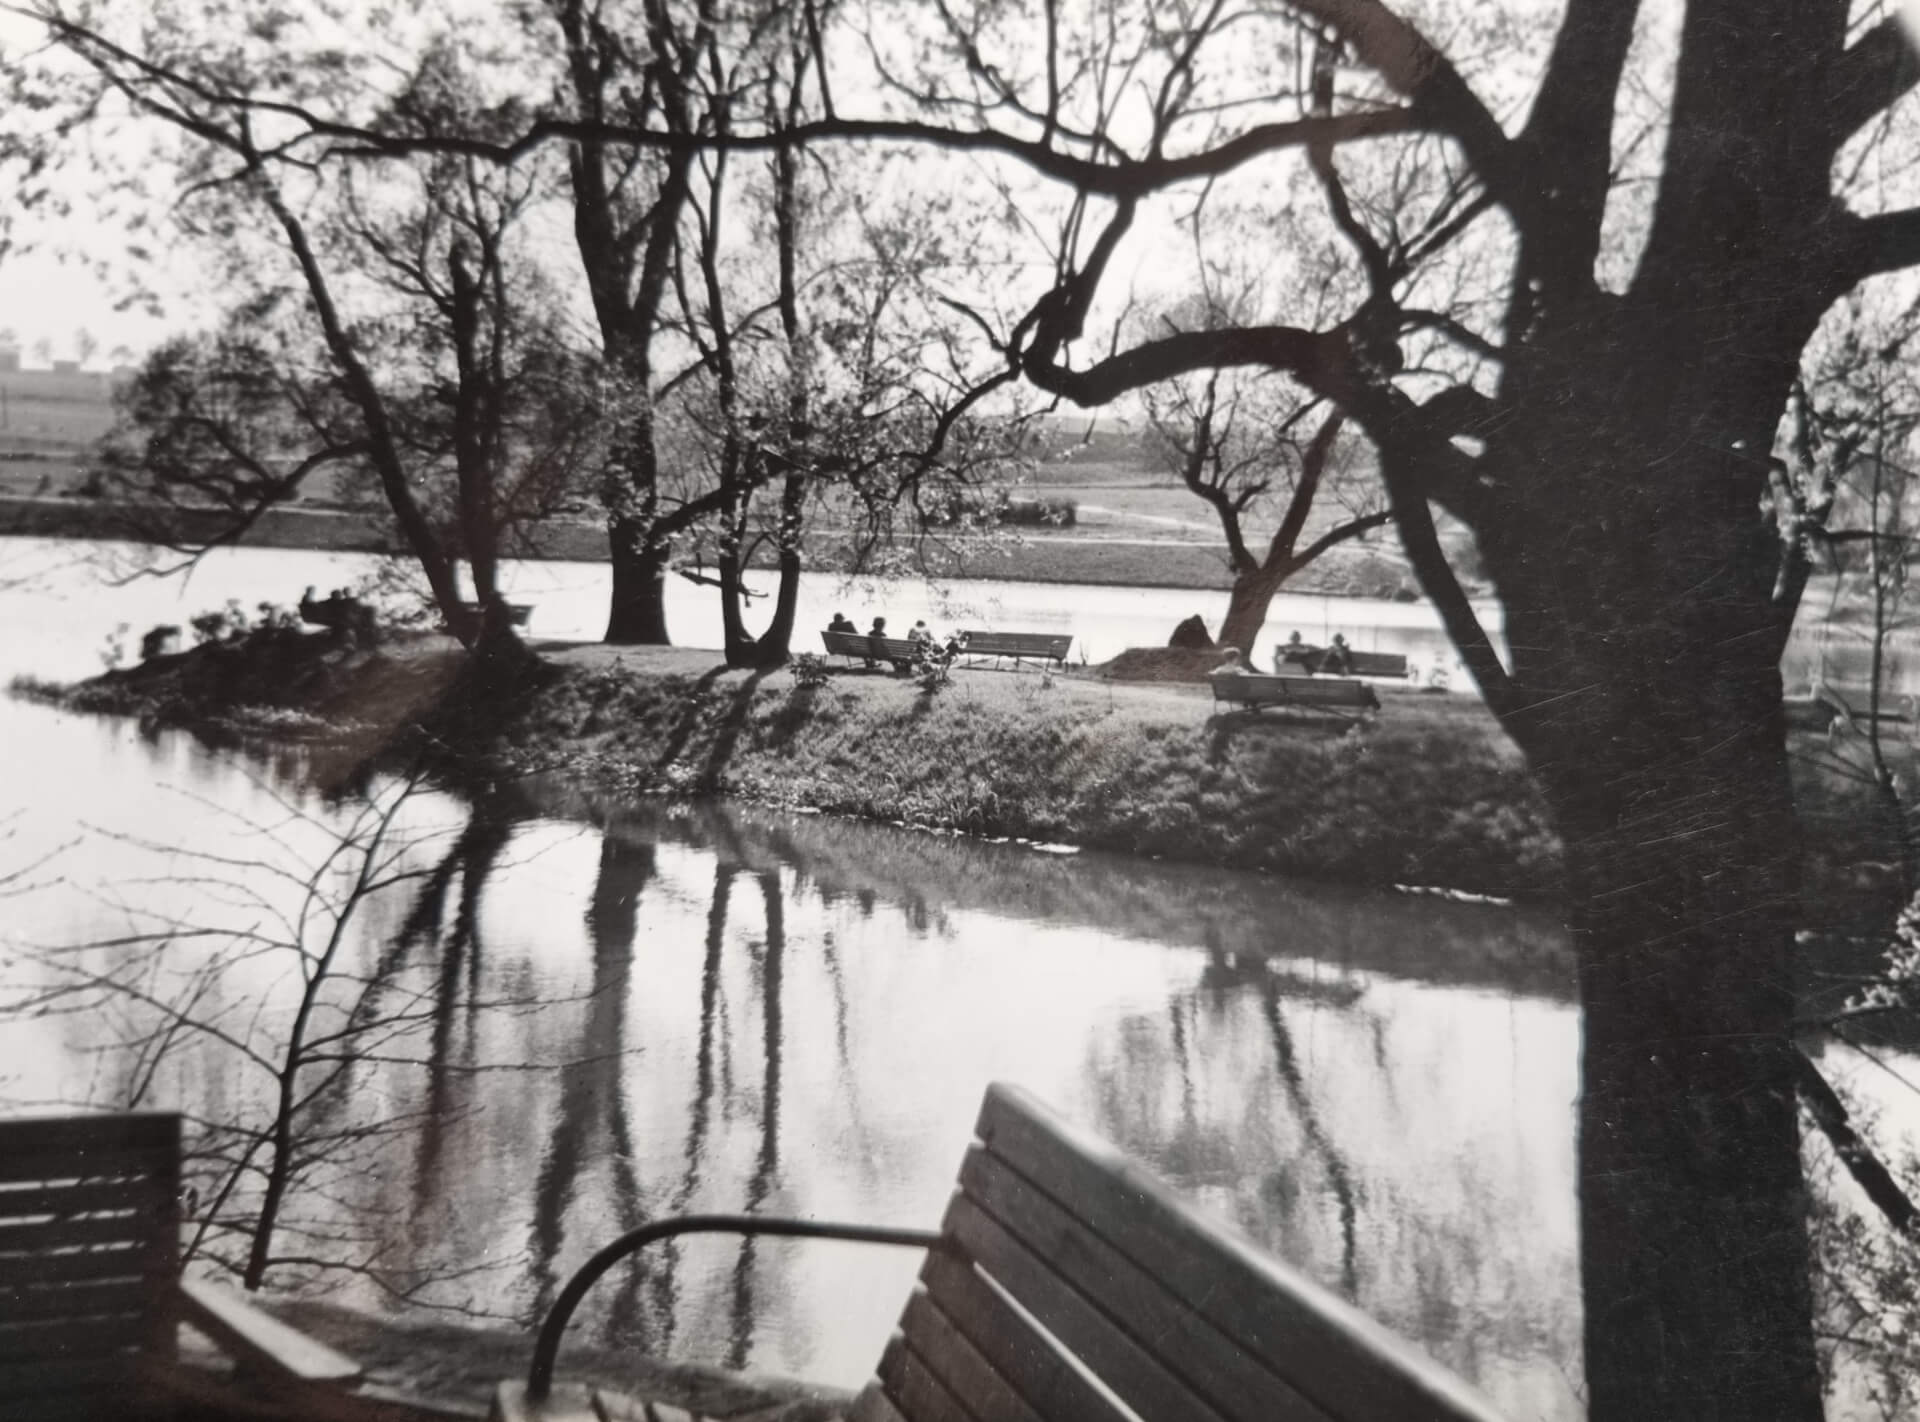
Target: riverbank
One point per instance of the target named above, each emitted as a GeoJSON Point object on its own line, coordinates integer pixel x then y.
{"type": "Point", "coordinates": [1427, 793]}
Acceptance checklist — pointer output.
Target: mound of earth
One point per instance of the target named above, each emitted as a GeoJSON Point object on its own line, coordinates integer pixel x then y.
{"type": "Point", "coordinates": [1160, 664]}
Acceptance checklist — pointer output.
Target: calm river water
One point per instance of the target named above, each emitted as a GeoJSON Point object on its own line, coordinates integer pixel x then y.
{"type": "Point", "coordinates": [568, 1016]}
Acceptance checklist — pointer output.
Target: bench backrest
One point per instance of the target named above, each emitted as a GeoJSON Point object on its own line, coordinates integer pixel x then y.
{"type": "Point", "coordinates": [1358, 663]}
{"type": "Point", "coordinates": [1247, 688]}
{"type": "Point", "coordinates": [1052, 646]}
{"type": "Point", "coordinates": [1178, 1319]}
{"type": "Point", "coordinates": [89, 1252]}
{"type": "Point", "coordinates": [860, 644]}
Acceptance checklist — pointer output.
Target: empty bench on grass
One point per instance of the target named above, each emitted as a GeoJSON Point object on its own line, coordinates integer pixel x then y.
{"type": "Point", "coordinates": [1312, 659]}
{"type": "Point", "coordinates": [1068, 1285]}
{"type": "Point", "coordinates": [90, 1293]}
{"type": "Point", "coordinates": [868, 648]}
{"type": "Point", "coordinates": [1019, 646]}
{"type": "Point", "coordinates": [1314, 693]}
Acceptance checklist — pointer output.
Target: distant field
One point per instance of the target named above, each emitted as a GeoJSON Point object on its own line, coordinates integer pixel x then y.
{"type": "Point", "coordinates": [1123, 493]}
{"type": "Point", "coordinates": [45, 412]}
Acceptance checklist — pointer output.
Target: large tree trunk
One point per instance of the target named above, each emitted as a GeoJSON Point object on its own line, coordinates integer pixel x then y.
{"type": "Point", "coordinates": [735, 639]}
{"type": "Point", "coordinates": [1682, 862]}
{"type": "Point", "coordinates": [1247, 606]}
{"type": "Point", "coordinates": [1647, 696]}
{"type": "Point", "coordinates": [638, 613]}
{"type": "Point", "coordinates": [776, 643]}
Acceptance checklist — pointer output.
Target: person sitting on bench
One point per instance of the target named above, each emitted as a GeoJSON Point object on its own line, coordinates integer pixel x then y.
{"type": "Point", "coordinates": [1338, 660]}
{"type": "Point", "coordinates": [841, 623]}
{"type": "Point", "coordinates": [877, 650]}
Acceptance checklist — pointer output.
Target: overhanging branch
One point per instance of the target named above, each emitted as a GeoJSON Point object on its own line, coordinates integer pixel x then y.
{"type": "Point", "coordinates": [1870, 78]}
{"type": "Point", "coordinates": [1886, 243]}
{"type": "Point", "coordinates": [1314, 357]}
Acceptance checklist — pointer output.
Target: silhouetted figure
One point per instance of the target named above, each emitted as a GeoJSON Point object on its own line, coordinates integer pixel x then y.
{"type": "Point", "coordinates": [877, 650]}
{"type": "Point", "coordinates": [841, 623]}
{"type": "Point", "coordinates": [1338, 660]}
{"type": "Point", "coordinates": [341, 613]}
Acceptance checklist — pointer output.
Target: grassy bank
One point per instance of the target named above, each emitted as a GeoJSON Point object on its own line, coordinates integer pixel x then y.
{"type": "Point", "coordinates": [1427, 792]}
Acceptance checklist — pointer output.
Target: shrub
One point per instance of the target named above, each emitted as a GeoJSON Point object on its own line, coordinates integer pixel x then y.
{"type": "Point", "coordinates": [810, 669]}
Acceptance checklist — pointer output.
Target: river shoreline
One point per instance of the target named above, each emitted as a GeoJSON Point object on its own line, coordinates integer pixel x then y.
{"type": "Point", "coordinates": [1428, 793]}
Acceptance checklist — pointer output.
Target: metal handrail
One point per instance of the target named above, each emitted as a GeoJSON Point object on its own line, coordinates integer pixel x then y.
{"type": "Point", "coordinates": [546, 1348]}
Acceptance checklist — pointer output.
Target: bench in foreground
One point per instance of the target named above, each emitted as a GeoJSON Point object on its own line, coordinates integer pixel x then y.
{"type": "Point", "coordinates": [90, 1294]}
{"type": "Point", "coordinates": [1311, 693]}
{"type": "Point", "coordinates": [1060, 1261]}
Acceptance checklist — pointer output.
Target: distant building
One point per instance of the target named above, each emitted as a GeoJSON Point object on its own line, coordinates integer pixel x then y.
{"type": "Point", "coordinates": [66, 367]}
{"type": "Point", "coordinates": [9, 359]}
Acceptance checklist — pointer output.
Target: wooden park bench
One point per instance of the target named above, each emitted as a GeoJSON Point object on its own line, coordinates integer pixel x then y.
{"type": "Point", "coordinates": [91, 1297]}
{"type": "Point", "coordinates": [1311, 693]}
{"type": "Point", "coordinates": [1043, 647]}
{"type": "Point", "coordinates": [518, 613]}
{"type": "Point", "coordinates": [860, 645]}
{"type": "Point", "coordinates": [1068, 1285]}
{"type": "Point", "coordinates": [1311, 659]}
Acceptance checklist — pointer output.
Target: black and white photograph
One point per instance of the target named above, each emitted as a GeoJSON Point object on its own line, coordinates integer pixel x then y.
{"type": "Point", "coordinates": [960, 710]}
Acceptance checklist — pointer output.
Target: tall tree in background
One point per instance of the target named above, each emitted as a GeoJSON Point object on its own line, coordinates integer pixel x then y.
{"type": "Point", "coordinates": [380, 329]}
{"type": "Point", "coordinates": [649, 66]}
{"type": "Point", "coordinates": [1238, 447]}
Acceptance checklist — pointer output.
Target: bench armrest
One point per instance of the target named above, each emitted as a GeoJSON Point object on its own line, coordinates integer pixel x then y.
{"type": "Point", "coordinates": [250, 1335]}
{"type": "Point", "coordinates": [546, 1348]}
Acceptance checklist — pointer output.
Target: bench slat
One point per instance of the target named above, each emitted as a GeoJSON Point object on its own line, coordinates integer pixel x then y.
{"type": "Point", "coordinates": [82, 1198]}
{"type": "Point", "coordinates": [918, 1391]}
{"type": "Point", "coordinates": [69, 1300]}
{"type": "Point", "coordinates": [938, 1343]}
{"type": "Point", "coordinates": [56, 1271]}
{"type": "Point", "coordinates": [39, 1237]}
{"type": "Point", "coordinates": [1140, 1379]}
{"type": "Point", "coordinates": [112, 1375]}
{"type": "Point", "coordinates": [1209, 1362]}
{"type": "Point", "coordinates": [74, 1135]}
{"type": "Point", "coordinates": [1053, 1386]}
{"type": "Point", "coordinates": [70, 1339]}
{"type": "Point", "coordinates": [1347, 1363]}
{"type": "Point", "coordinates": [1253, 689]}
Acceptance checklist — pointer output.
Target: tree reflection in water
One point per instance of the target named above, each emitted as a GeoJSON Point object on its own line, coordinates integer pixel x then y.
{"type": "Point", "coordinates": [726, 1008]}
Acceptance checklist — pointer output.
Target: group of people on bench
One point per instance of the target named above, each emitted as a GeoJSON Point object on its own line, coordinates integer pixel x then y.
{"type": "Point", "coordinates": [928, 650]}
{"type": "Point", "coordinates": [1336, 660]}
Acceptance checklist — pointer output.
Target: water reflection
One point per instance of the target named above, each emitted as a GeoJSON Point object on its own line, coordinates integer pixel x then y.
{"type": "Point", "coordinates": [598, 1014]}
